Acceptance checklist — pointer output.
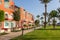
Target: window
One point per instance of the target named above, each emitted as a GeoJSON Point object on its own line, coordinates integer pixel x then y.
{"type": "Point", "coordinates": [12, 24]}
{"type": "Point", "coordinates": [6, 23]}
{"type": "Point", "coordinates": [0, 1]}
{"type": "Point", "coordinates": [6, 0]}
{"type": "Point", "coordinates": [6, 3]}
{"type": "Point", "coordinates": [6, 15]}
{"type": "Point", "coordinates": [12, 15]}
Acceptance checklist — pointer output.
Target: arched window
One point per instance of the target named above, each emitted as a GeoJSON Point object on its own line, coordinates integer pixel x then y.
{"type": "Point", "coordinates": [6, 15]}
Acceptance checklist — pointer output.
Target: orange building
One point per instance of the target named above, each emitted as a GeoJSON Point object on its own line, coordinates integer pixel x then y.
{"type": "Point", "coordinates": [26, 17]}
{"type": "Point", "coordinates": [8, 7]}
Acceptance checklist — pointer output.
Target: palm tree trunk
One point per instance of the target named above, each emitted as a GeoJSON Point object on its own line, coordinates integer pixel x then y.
{"type": "Point", "coordinates": [54, 23]}
{"type": "Point", "coordinates": [49, 21]}
{"type": "Point", "coordinates": [45, 15]}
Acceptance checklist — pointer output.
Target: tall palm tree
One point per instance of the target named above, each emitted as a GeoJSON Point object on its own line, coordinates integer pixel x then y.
{"type": "Point", "coordinates": [53, 14]}
{"type": "Point", "coordinates": [45, 3]}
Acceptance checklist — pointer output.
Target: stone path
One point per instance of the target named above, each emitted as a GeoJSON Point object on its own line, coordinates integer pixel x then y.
{"type": "Point", "coordinates": [14, 34]}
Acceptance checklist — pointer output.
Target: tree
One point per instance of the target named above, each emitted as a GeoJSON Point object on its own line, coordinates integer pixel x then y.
{"type": "Point", "coordinates": [37, 23]}
{"type": "Point", "coordinates": [58, 13]}
{"type": "Point", "coordinates": [45, 4]}
{"type": "Point", "coordinates": [17, 16]}
{"type": "Point", "coordinates": [41, 20]}
{"type": "Point", "coordinates": [53, 14]}
{"type": "Point", "coordinates": [1, 16]}
{"type": "Point", "coordinates": [49, 19]}
{"type": "Point", "coordinates": [38, 20]}
{"type": "Point", "coordinates": [38, 16]}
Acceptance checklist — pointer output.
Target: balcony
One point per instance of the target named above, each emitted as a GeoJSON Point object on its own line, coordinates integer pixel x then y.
{"type": "Point", "coordinates": [6, 18]}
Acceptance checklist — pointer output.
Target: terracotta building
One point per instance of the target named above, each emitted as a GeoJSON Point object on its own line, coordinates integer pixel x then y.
{"type": "Point", "coordinates": [25, 17]}
{"type": "Point", "coordinates": [8, 7]}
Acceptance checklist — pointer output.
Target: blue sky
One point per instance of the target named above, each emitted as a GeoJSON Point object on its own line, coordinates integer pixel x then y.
{"type": "Point", "coordinates": [36, 7]}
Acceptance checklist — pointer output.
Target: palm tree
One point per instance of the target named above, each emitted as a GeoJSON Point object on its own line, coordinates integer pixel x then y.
{"type": "Point", "coordinates": [1, 16]}
{"type": "Point", "coordinates": [45, 3]}
{"type": "Point", "coordinates": [38, 16]}
{"type": "Point", "coordinates": [58, 13]}
{"type": "Point", "coordinates": [37, 23]}
{"type": "Point", "coordinates": [49, 20]}
{"type": "Point", "coordinates": [53, 14]}
{"type": "Point", "coordinates": [38, 20]}
{"type": "Point", "coordinates": [41, 20]}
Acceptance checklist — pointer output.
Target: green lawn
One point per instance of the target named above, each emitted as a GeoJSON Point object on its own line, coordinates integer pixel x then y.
{"type": "Point", "coordinates": [51, 27]}
{"type": "Point", "coordinates": [40, 35]}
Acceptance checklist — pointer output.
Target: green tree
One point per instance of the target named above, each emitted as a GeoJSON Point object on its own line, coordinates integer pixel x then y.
{"type": "Point", "coordinates": [1, 16]}
{"type": "Point", "coordinates": [45, 2]}
{"type": "Point", "coordinates": [41, 20]}
{"type": "Point", "coordinates": [49, 19]}
{"type": "Point", "coordinates": [58, 13]}
{"type": "Point", "coordinates": [53, 14]}
{"type": "Point", "coordinates": [38, 16]}
{"type": "Point", "coordinates": [37, 23]}
{"type": "Point", "coordinates": [17, 16]}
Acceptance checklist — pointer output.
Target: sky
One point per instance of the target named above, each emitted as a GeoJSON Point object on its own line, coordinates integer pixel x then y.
{"type": "Point", "coordinates": [35, 7]}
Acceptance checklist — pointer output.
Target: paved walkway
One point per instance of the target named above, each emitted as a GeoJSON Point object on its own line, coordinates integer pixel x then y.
{"type": "Point", "coordinates": [14, 34]}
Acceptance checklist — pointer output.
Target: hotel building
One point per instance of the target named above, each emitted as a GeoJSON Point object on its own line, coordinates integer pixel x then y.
{"type": "Point", "coordinates": [8, 7]}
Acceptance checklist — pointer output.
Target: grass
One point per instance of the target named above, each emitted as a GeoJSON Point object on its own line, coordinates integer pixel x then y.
{"type": "Point", "coordinates": [40, 35]}
{"type": "Point", "coordinates": [3, 33]}
{"type": "Point", "coordinates": [51, 27]}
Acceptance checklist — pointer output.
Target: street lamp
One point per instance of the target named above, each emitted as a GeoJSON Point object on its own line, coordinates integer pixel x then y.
{"type": "Point", "coordinates": [22, 28]}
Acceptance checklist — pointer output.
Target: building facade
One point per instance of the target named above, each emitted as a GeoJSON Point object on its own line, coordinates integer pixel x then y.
{"type": "Point", "coordinates": [8, 7]}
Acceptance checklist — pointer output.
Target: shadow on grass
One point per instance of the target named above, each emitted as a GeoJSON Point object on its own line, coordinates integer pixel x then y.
{"type": "Point", "coordinates": [50, 29]}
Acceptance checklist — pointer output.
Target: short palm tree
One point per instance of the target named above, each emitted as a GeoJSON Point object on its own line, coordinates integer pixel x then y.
{"type": "Point", "coordinates": [37, 23]}
{"type": "Point", "coordinates": [58, 13]}
{"type": "Point", "coordinates": [49, 17]}
{"type": "Point", "coordinates": [41, 20]}
{"type": "Point", "coordinates": [53, 14]}
{"type": "Point", "coordinates": [38, 16]}
{"type": "Point", "coordinates": [38, 20]}
{"type": "Point", "coordinates": [45, 3]}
